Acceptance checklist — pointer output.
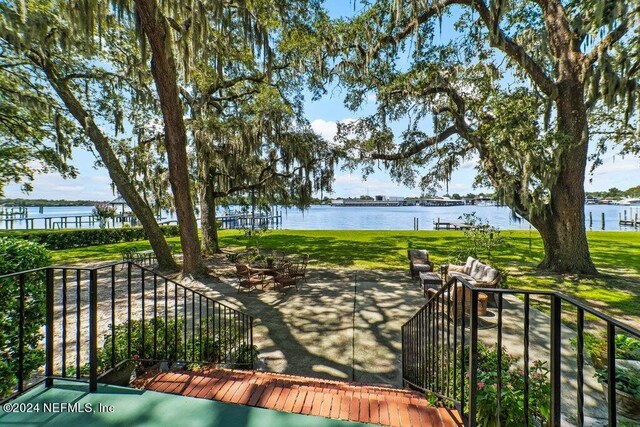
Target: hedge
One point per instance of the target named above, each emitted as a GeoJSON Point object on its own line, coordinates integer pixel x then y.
{"type": "Point", "coordinates": [67, 239]}
{"type": "Point", "coordinates": [19, 255]}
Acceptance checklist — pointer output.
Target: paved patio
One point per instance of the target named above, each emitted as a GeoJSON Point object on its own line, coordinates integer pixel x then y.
{"type": "Point", "coordinates": [309, 331]}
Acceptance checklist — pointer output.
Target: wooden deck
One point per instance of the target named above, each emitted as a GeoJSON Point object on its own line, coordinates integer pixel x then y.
{"type": "Point", "coordinates": [382, 405]}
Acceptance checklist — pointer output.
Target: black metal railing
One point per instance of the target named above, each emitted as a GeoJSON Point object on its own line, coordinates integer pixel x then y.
{"type": "Point", "coordinates": [443, 355]}
{"type": "Point", "coordinates": [83, 322]}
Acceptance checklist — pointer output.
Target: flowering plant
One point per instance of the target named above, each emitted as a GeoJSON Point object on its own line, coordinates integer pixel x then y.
{"type": "Point", "coordinates": [103, 212]}
{"type": "Point", "coordinates": [512, 390]}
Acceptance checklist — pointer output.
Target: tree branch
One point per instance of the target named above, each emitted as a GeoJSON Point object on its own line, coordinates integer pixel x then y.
{"type": "Point", "coordinates": [604, 45]}
{"type": "Point", "coordinates": [427, 142]}
{"type": "Point", "coordinates": [498, 39]}
{"type": "Point", "coordinates": [515, 51]}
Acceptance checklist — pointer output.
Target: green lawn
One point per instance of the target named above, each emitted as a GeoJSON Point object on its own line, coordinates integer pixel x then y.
{"type": "Point", "coordinates": [616, 254]}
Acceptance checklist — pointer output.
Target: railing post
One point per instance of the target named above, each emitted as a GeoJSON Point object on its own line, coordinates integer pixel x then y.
{"type": "Point", "coordinates": [402, 355]}
{"type": "Point", "coordinates": [93, 330]}
{"type": "Point", "coordinates": [21, 334]}
{"type": "Point", "coordinates": [611, 371]}
{"type": "Point", "coordinates": [556, 359]}
{"type": "Point", "coordinates": [473, 359]}
{"type": "Point", "coordinates": [49, 328]}
{"type": "Point", "coordinates": [251, 339]}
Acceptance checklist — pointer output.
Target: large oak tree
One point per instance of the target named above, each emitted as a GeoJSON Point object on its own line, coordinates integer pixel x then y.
{"type": "Point", "coordinates": [518, 84]}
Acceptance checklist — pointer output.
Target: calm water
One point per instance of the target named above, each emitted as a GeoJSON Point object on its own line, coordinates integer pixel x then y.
{"type": "Point", "coordinates": [402, 217]}
{"type": "Point", "coordinates": [378, 218]}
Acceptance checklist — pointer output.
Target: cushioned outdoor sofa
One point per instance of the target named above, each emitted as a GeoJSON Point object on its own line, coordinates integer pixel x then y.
{"type": "Point", "coordinates": [478, 274]}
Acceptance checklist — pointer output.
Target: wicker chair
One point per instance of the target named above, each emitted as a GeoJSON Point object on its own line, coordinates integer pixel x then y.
{"type": "Point", "coordinates": [288, 276]}
{"type": "Point", "coordinates": [418, 261]}
{"type": "Point", "coordinates": [249, 280]}
{"type": "Point", "coordinates": [302, 271]}
{"type": "Point", "coordinates": [454, 303]}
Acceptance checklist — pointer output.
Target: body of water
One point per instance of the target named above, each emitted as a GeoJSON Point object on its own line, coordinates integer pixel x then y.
{"type": "Point", "coordinates": [324, 217]}
{"type": "Point", "coordinates": [402, 217]}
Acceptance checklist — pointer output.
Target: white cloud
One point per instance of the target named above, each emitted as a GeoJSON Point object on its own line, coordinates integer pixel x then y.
{"type": "Point", "coordinates": [100, 179]}
{"type": "Point", "coordinates": [616, 171]}
{"type": "Point", "coordinates": [53, 186]}
{"type": "Point", "coordinates": [326, 129]}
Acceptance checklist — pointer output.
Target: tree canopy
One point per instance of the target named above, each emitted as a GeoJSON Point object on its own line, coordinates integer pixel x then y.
{"type": "Point", "coordinates": [516, 84]}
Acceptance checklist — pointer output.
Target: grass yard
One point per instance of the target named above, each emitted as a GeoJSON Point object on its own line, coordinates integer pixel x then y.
{"type": "Point", "coordinates": [616, 254]}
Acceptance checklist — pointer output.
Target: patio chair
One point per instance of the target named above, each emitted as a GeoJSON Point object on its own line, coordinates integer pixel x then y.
{"type": "Point", "coordinates": [418, 261]}
{"type": "Point", "coordinates": [247, 279]}
{"type": "Point", "coordinates": [130, 255]}
{"type": "Point", "coordinates": [302, 272]}
{"type": "Point", "coordinates": [288, 275]}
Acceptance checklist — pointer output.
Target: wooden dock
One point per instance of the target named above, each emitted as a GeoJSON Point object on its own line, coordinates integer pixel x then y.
{"type": "Point", "coordinates": [62, 222]}
{"type": "Point", "coordinates": [237, 221]}
{"type": "Point", "coordinates": [442, 225]}
{"type": "Point", "coordinates": [629, 223]}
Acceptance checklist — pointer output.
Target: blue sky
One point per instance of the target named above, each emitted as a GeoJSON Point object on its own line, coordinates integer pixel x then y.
{"type": "Point", "coordinates": [94, 184]}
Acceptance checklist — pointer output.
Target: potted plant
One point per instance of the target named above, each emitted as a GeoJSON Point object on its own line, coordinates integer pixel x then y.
{"type": "Point", "coordinates": [627, 390]}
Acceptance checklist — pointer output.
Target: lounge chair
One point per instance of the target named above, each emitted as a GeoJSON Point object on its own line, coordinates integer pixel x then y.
{"type": "Point", "coordinates": [478, 274]}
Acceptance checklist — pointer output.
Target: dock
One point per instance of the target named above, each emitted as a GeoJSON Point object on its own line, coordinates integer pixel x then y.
{"type": "Point", "coordinates": [630, 221]}
{"type": "Point", "coordinates": [443, 225]}
{"type": "Point", "coordinates": [237, 221]}
{"type": "Point", "coordinates": [62, 222]}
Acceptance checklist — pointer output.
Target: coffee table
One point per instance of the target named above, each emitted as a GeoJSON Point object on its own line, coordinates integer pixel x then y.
{"type": "Point", "coordinates": [430, 280]}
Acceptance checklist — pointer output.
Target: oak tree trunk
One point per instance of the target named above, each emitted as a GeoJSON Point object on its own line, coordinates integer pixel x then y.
{"type": "Point", "coordinates": [561, 225]}
{"type": "Point", "coordinates": [117, 174]}
{"type": "Point", "coordinates": [163, 69]}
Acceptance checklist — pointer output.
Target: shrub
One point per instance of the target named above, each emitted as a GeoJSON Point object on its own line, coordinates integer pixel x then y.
{"type": "Point", "coordinates": [67, 239]}
{"type": "Point", "coordinates": [214, 345]}
{"type": "Point", "coordinates": [596, 347]}
{"type": "Point", "coordinates": [512, 392]}
{"type": "Point", "coordinates": [19, 255]}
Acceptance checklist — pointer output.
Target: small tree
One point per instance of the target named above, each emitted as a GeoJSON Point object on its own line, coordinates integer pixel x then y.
{"type": "Point", "coordinates": [482, 237]}
{"type": "Point", "coordinates": [104, 212]}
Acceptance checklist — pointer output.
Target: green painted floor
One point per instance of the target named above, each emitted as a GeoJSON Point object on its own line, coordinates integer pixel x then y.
{"type": "Point", "coordinates": [132, 407]}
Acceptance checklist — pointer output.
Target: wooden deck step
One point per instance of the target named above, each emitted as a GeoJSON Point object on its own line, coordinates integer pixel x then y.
{"type": "Point", "coordinates": [373, 404]}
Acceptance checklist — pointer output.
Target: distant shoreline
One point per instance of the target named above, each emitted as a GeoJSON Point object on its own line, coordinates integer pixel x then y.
{"type": "Point", "coordinates": [16, 203]}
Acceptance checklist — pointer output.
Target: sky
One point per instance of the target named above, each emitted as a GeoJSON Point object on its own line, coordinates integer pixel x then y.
{"type": "Point", "coordinates": [324, 114]}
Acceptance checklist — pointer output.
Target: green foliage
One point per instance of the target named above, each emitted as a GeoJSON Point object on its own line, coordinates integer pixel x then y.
{"type": "Point", "coordinates": [66, 239]}
{"type": "Point", "coordinates": [15, 256]}
{"type": "Point", "coordinates": [482, 237]}
{"type": "Point", "coordinates": [627, 380]}
{"type": "Point", "coordinates": [175, 344]}
{"type": "Point", "coordinates": [626, 348]}
{"type": "Point", "coordinates": [177, 350]}
{"type": "Point", "coordinates": [512, 394]}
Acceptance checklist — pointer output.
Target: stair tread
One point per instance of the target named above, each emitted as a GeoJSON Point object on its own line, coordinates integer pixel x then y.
{"type": "Point", "coordinates": [366, 403]}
